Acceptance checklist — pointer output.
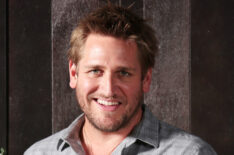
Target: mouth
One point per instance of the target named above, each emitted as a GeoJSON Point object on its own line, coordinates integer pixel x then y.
{"type": "Point", "coordinates": [107, 105]}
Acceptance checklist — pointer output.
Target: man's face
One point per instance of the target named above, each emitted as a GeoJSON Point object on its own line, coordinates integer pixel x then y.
{"type": "Point", "coordinates": [108, 82]}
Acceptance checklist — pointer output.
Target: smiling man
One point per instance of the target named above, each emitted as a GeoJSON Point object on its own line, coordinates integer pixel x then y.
{"type": "Point", "coordinates": [108, 83]}
{"type": "Point", "coordinates": [111, 57]}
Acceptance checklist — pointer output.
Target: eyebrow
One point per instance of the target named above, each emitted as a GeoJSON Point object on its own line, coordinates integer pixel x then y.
{"type": "Point", "coordinates": [93, 66]}
{"type": "Point", "coordinates": [118, 68]}
{"type": "Point", "coordinates": [126, 68]}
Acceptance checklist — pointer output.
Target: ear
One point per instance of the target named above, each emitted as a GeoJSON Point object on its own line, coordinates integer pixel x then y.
{"type": "Point", "coordinates": [73, 74]}
{"type": "Point", "coordinates": [147, 80]}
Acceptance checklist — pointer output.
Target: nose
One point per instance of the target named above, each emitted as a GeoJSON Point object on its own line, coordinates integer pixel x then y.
{"type": "Point", "coordinates": [108, 85]}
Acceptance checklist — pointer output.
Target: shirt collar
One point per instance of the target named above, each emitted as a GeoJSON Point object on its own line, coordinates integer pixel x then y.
{"type": "Point", "coordinates": [74, 128]}
{"type": "Point", "coordinates": [70, 136]}
{"type": "Point", "coordinates": [148, 129]}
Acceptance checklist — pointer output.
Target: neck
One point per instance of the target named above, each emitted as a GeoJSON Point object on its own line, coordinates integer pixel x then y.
{"type": "Point", "coordinates": [93, 138]}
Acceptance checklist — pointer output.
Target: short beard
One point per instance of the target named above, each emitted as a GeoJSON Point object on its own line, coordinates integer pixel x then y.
{"type": "Point", "coordinates": [123, 122]}
{"type": "Point", "coordinates": [119, 124]}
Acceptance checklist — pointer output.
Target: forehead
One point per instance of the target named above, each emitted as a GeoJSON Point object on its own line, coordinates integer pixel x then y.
{"type": "Point", "coordinates": [107, 48]}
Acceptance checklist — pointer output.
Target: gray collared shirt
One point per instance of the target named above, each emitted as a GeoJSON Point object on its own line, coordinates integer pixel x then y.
{"type": "Point", "coordinates": [149, 137]}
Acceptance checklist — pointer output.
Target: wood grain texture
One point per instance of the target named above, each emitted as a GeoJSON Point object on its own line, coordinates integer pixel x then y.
{"type": "Point", "coordinates": [169, 97]}
{"type": "Point", "coordinates": [29, 74]}
{"type": "Point", "coordinates": [212, 84]}
{"type": "Point", "coordinates": [3, 75]}
{"type": "Point", "coordinates": [171, 74]}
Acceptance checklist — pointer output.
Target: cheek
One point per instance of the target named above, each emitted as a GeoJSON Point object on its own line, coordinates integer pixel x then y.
{"type": "Point", "coordinates": [132, 89]}
{"type": "Point", "coordinates": [85, 86]}
{"type": "Point", "coordinates": [88, 84]}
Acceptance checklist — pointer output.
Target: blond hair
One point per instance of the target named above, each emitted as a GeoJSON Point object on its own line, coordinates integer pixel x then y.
{"type": "Point", "coordinates": [118, 22]}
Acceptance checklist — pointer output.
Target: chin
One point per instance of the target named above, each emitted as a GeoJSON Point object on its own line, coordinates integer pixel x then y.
{"type": "Point", "coordinates": [107, 124]}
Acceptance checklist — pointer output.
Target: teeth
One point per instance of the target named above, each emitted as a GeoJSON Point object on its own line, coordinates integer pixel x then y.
{"type": "Point", "coordinates": [103, 102]}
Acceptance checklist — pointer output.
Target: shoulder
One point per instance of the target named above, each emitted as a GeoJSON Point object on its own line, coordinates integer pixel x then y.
{"type": "Point", "coordinates": [47, 145]}
{"type": "Point", "coordinates": [181, 141]}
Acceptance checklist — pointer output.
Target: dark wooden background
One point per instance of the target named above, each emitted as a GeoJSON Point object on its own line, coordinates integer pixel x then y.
{"type": "Point", "coordinates": [212, 78]}
{"type": "Point", "coordinates": [193, 79]}
{"type": "Point", "coordinates": [3, 75]}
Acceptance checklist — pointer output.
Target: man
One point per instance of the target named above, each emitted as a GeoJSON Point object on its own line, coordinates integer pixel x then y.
{"type": "Point", "coordinates": [111, 57]}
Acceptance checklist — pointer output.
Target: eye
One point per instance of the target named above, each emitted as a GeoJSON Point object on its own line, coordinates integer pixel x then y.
{"type": "Point", "coordinates": [124, 73]}
{"type": "Point", "coordinates": [95, 71]}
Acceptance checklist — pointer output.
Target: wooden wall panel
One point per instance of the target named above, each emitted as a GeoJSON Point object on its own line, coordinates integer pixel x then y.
{"type": "Point", "coordinates": [3, 75]}
{"type": "Point", "coordinates": [29, 74]}
{"type": "Point", "coordinates": [212, 81]}
{"type": "Point", "coordinates": [169, 98]}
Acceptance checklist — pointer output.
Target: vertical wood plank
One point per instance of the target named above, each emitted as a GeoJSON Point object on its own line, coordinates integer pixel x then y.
{"type": "Point", "coordinates": [169, 97]}
{"type": "Point", "coordinates": [212, 82]}
{"type": "Point", "coordinates": [29, 73]}
{"type": "Point", "coordinates": [3, 76]}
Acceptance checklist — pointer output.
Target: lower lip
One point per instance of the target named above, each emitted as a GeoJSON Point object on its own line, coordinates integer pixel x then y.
{"type": "Point", "coordinates": [108, 107]}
